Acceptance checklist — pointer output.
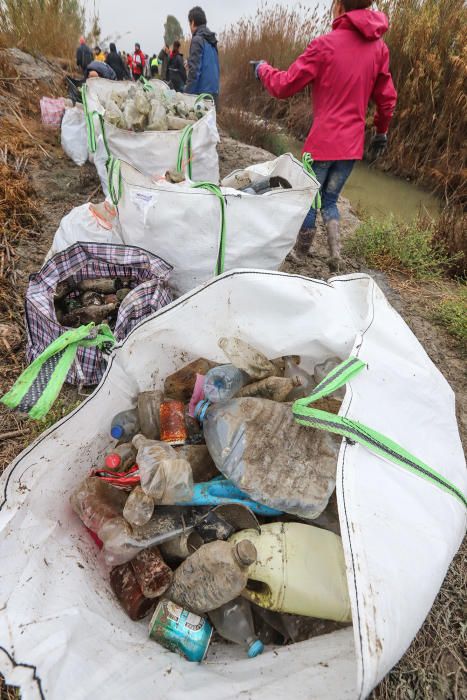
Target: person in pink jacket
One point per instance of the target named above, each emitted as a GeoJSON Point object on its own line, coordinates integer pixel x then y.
{"type": "Point", "coordinates": [346, 69]}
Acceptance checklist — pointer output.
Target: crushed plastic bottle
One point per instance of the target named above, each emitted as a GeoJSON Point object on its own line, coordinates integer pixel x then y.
{"type": "Point", "coordinates": [222, 383]}
{"type": "Point", "coordinates": [121, 457]}
{"type": "Point", "coordinates": [164, 477]}
{"type": "Point", "coordinates": [97, 503]}
{"type": "Point", "coordinates": [273, 388]}
{"type": "Point", "coordinates": [139, 507]}
{"type": "Point", "coordinates": [125, 425]}
{"type": "Point", "coordinates": [247, 358]}
{"type": "Point", "coordinates": [215, 574]}
{"type": "Point", "coordinates": [234, 622]}
{"type": "Point", "coordinates": [180, 631]}
{"type": "Point", "coordinates": [149, 403]}
{"type": "Point", "coordinates": [305, 382]}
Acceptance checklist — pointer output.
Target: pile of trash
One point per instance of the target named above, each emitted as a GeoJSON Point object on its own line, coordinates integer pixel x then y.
{"type": "Point", "coordinates": [214, 508]}
{"type": "Point", "coordinates": [149, 110]}
{"type": "Point", "coordinates": [91, 300]}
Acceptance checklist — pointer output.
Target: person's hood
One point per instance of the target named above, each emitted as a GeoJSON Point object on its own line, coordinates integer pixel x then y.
{"type": "Point", "coordinates": [369, 23]}
{"type": "Point", "coordinates": [206, 34]}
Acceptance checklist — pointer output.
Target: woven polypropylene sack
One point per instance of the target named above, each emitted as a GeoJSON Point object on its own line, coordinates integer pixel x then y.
{"type": "Point", "coordinates": [73, 134]}
{"type": "Point", "coordinates": [52, 110]}
{"type": "Point", "coordinates": [86, 261]}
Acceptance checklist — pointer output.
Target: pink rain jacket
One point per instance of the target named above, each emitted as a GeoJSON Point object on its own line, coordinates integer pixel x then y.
{"type": "Point", "coordinates": [345, 68]}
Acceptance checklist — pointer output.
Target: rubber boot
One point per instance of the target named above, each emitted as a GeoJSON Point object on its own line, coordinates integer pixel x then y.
{"type": "Point", "coordinates": [334, 260]}
{"type": "Point", "coordinates": [303, 245]}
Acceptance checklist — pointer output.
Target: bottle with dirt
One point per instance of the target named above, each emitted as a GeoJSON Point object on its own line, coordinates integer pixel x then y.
{"type": "Point", "coordinates": [273, 388]}
{"type": "Point", "coordinates": [215, 574]}
{"type": "Point", "coordinates": [179, 548]}
{"type": "Point", "coordinates": [125, 425]}
{"type": "Point", "coordinates": [148, 406]}
{"type": "Point", "coordinates": [304, 382]}
{"type": "Point", "coordinates": [300, 569]}
{"type": "Point", "coordinates": [234, 622]}
{"type": "Point", "coordinates": [247, 358]}
{"type": "Point", "coordinates": [222, 383]}
{"type": "Point", "coordinates": [121, 457]}
{"type": "Point", "coordinates": [139, 507]}
{"type": "Point", "coordinates": [164, 477]}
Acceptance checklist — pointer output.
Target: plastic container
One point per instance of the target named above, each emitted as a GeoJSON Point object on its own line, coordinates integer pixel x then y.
{"type": "Point", "coordinates": [180, 631]}
{"type": "Point", "coordinates": [125, 425]}
{"type": "Point", "coordinates": [139, 507]}
{"type": "Point", "coordinates": [215, 574]}
{"type": "Point", "coordinates": [300, 569]}
{"type": "Point", "coordinates": [273, 388]}
{"type": "Point", "coordinates": [149, 403]}
{"type": "Point", "coordinates": [305, 383]}
{"type": "Point", "coordinates": [121, 457]}
{"type": "Point", "coordinates": [164, 477]}
{"type": "Point", "coordinates": [223, 382]}
{"type": "Point", "coordinates": [247, 358]}
{"type": "Point", "coordinates": [234, 622]}
{"type": "Point", "coordinates": [179, 548]}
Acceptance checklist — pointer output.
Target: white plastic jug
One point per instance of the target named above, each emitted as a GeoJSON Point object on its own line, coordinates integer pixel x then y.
{"type": "Point", "coordinates": [300, 569]}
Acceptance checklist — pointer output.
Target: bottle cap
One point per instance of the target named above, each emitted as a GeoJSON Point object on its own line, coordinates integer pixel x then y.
{"type": "Point", "coordinates": [246, 552]}
{"type": "Point", "coordinates": [255, 649]}
{"type": "Point", "coordinates": [200, 410]}
{"type": "Point", "coordinates": [113, 461]}
{"type": "Point", "coordinates": [116, 432]}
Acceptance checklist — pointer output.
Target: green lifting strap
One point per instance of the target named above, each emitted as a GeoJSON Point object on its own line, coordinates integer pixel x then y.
{"type": "Point", "coordinates": [146, 84]}
{"type": "Point", "coordinates": [114, 176]}
{"type": "Point", "coordinates": [358, 432]}
{"type": "Point", "coordinates": [204, 96]}
{"type": "Point", "coordinates": [307, 162]}
{"type": "Point", "coordinates": [65, 346]}
{"type": "Point", "coordinates": [214, 189]}
{"type": "Point", "coordinates": [185, 147]}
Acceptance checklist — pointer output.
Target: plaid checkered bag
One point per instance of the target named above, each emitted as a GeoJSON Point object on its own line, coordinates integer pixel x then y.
{"type": "Point", "coordinates": [52, 110]}
{"type": "Point", "coordinates": [87, 261]}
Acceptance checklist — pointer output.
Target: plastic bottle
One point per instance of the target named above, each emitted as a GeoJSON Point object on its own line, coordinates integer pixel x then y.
{"type": "Point", "coordinates": [247, 358]}
{"type": "Point", "coordinates": [125, 425]}
{"type": "Point", "coordinates": [273, 388]}
{"type": "Point", "coordinates": [148, 413]}
{"type": "Point", "coordinates": [180, 631]}
{"type": "Point", "coordinates": [215, 574]}
{"type": "Point", "coordinates": [139, 507]}
{"type": "Point", "coordinates": [300, 569]}
{"type": "Point", "coordinates": [121, 457]}
{"type": "Point", "coordinates": [304, 381]}
{"type": "Point", "coordinates": [234, 622]}
{"type": "Point", "coordinates": [163, 475]}
{"type": "Point", "coordinates": [179, 548]}
{"type": "Point", "coordinates": [223, 382]}
{"type": "Point", "coordinates": [97, 503]}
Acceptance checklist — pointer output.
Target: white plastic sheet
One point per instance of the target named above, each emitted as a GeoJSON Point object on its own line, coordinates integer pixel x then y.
{"type": "Point", "coordinates": [183, 224]}
{"type": "Point", "coordinates": [62, 635]}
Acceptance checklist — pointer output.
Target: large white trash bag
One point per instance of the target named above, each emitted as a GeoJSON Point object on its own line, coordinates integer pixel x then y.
{"type": "Point", "coordinates": [183, 224]}
{"type": "Point", "coordinates": [73, 134]}
{"type": "Point", "coordinates": [155, 152]}
{"type": "Point", "coordinates": [62, 633]}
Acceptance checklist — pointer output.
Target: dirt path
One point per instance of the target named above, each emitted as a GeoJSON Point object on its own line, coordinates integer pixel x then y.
{"type": "Point", "coordinates": [432, 668]}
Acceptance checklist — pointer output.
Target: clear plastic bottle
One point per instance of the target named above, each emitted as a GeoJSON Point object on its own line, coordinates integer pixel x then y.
{"type": "Point", "coordinates": [125, 425]}
{"type": "Point", "coordinates": [139, 507]}
{"type": "Point", "coordinates": [223, 382]}
{"type": "Point", "coordinates": [149, 403]}
{"type": "Point", "coordinates": [163, 475]}
{"type": "Point", "coordinates": [247, 358]}
{"type": "Point", "coordinates": [234, 622]}
{"type": "Point", "coordinates": [212, 576]}
{"type": "Point", "coordinates": [305, 381]}
{"type": "Point", "coordinates": [121, 457]}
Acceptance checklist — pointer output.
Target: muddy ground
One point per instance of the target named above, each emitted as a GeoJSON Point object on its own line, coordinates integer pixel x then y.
{"type": "Point", "coordinates": [433, 667]}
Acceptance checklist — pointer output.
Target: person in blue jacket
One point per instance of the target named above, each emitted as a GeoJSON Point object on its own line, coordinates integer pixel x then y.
{"type": "Point", "coordinates": [203, 61]}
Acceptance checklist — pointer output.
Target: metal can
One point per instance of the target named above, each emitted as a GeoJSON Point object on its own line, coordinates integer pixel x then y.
{"type": "Point", "coordinates": [180, 631]}
{"type": "Point", "coordinates": [173, 428]}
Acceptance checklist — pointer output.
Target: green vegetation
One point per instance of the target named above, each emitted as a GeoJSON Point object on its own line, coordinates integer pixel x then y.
{"type": "Point", "coordinates": [452, 313]}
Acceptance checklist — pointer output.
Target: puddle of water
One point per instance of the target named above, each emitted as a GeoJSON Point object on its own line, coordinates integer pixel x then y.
{"type": "Point", "coordinates": [374, 193]}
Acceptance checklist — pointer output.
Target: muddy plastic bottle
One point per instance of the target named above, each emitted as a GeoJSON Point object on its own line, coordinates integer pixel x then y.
{"type": "Point", "coordinates": [273, 388]}
{"type": "Point", "coordinates": [222, 383]}
{"type": "Point", "coordinates": [215, 574]}
{"type": "Point", "coordinates": [234, 622]}
{"type": "Point", "coordinates": [139, 507]}
{"type": "Point", "coordinates": [300, 569]}
{"type": "Point", "coordinates": [149, 403]}
{"type": "Point", "coordinates": [121, 457]}
{"type": "Point", "coordinates": [247, 358]}
{"type": "Point", "coordinates": [125, 425]}
{"type": "Point", "coordinates": [97, 503]}
{"type": "Point", "coordinates": [164, 477]}
{"type": "Point", "coordinates": [305, 382]}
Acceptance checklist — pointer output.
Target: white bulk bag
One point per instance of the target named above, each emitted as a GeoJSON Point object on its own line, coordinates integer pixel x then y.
{"type": "Point", "coordinates": [73, 134]}
{"type": "Point", "coordinates": [155, 152]}
{"type": "Point", "coordinates": [182, 224]}
{"type": "Point", "coordinates": [81, 224]}
{"type": "Point", "coordinates": [62, 633]}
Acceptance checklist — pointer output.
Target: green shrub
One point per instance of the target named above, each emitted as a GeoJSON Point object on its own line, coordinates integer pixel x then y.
{"type": "Point", "coordinates": [452, 313]}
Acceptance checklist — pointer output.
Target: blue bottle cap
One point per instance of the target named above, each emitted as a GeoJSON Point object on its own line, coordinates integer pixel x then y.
{"type": "Point", "coordinates": [201, 408]}
{"type": "Point", "coordinates": [116, 432]}
{"type": "Point", "coordinates": [255, 649]}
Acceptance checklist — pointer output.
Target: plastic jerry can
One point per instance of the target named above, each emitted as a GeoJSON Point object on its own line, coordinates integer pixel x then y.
{"type": "Point", "coordinates": [300, 569]}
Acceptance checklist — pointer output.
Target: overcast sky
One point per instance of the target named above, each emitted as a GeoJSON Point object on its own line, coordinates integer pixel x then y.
{"type": "Point", "coordinates": [143, 20]}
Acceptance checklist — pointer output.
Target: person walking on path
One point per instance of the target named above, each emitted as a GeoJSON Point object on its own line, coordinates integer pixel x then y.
{"type": "Point", "coordinates": [139, 61]}
{"type": "Point", "coordinates": [203, 61]}
{"type": "Point", "coordinates": [346, 69]}
{"type": "Point", "coordinates": [176, 70]}
{"type": "Point", "coordinates": [115, 61]}
{"type": "Point", "coordinates": [163, 58]}
{"type": "Point", "coordinates": [83, 54]}
{"type": "Point", "coordinates": [154, 66]}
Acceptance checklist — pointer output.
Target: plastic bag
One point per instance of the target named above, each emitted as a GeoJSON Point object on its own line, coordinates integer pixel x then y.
{"type": "Point", "coordinates": [73, 134]}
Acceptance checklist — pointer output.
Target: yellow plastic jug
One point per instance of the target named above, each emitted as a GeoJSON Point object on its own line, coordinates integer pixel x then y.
{"type": "Point", "coordinates": [300, 569]}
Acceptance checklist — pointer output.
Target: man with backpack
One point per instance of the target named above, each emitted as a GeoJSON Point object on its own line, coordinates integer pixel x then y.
{"type": "Point", "coordinates": [203, 61]}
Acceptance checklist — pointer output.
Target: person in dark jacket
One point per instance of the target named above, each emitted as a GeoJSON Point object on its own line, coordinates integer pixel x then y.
{"type": "Point", "coordinates": [163, 57]}
{"type": "Point", "coordinates": [114, 60]}
{"type": "Point", "coordinates": [176, 71]}
{"type": "Point", "coordinates": [99, 69]}
{"type": "Point", "coordinates": [203, 62]}
{"type": "Point", "coordinates": [83, 54]}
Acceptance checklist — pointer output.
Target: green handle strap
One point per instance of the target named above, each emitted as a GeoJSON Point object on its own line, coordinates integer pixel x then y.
{"type": "Point", "coordinates": [185, 145]}
{"type": "Point", "coordinates": [214, 189]}
{"type": "Point", "coordinates": [146, 84]}
{"type": "Point", "coordinates": [67, 344]}
{"type": "Point", "coordinates": [204, 96]}
{"type": "Point", "coordinates": [358, 432]}
{"type": "Point", "coordinates": [307, 162]}
{"type": "Point", "coordinates": [114, 176]}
